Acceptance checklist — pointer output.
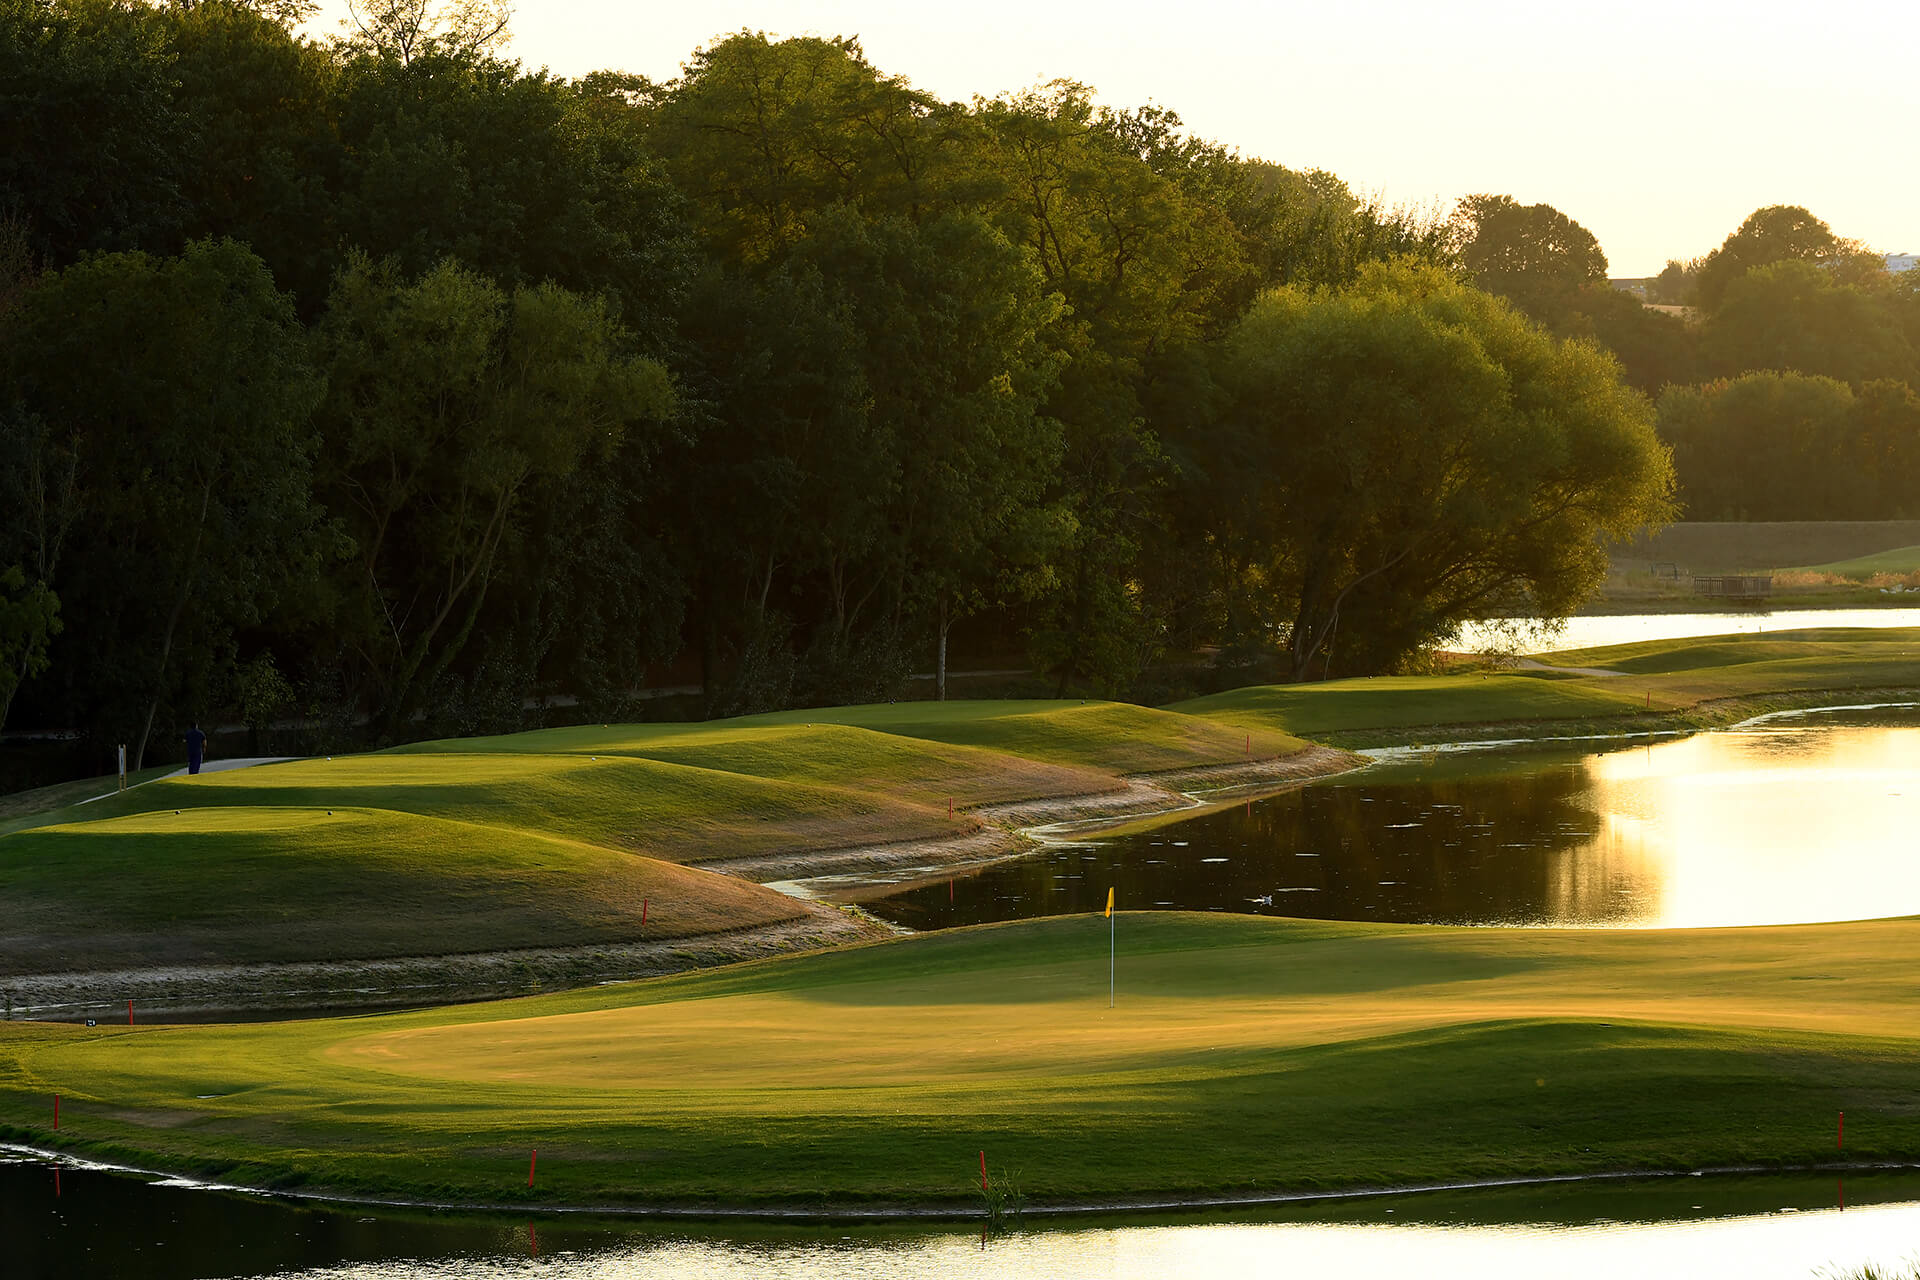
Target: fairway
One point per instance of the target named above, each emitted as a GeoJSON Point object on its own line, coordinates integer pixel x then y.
{"type": "Point", "coordinates": [1244, 1054]}
{"type": "Point", "coordinates": [1657, 683]}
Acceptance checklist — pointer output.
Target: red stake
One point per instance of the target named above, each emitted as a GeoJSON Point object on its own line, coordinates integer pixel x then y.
{"type": "Point", "coordinates": [983, 1172]}
{"type": "Point", "coordinates": [643, 910]}
{"type": "Point", "coordinates": [56, 1182]}
{"type": "Point", "coordinates": [531, 1161]}
{"type": "Point", "coordinates": [1840, 1138]}
{"type": "Point", "coordinates": [129, 1013]}
{"type": "Point", "coordinates": [949, 809]}
{"type": "Point", "coordinates": [56, 1113]}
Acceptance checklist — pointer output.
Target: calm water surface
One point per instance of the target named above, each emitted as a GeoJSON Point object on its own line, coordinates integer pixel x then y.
{"type": "Point", "coordinates": [1586, 633]}
{"type": "Point", "coordinates": [1777, 1226]}
{"type": "Point", "coordinates": [1794, 819]}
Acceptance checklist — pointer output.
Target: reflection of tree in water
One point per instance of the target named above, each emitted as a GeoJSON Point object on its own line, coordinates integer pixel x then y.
{"type": "Point", "coordinates": [1519, 846]}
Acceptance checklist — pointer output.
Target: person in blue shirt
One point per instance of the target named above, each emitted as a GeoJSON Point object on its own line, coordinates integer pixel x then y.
{"type": "Point", "coordinates": [196, 748]}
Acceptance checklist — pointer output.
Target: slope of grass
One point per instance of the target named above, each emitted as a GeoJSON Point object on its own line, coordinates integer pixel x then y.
{"type": "Point", "coordinates": [1244, 1054]}
{"type": "Point", "coordinates": [21, 808]}
{"type": "Point", "coordinates": [234, 885]}
{"type": "Point", "coordinates": [1669, 679]}
{"type": "Point", "coordinates": [1386, 702]}
{"type": "Point", "coordinates": [673, 812]}
{"type": "Point", "coordinates": [818, 752]}
{"type": "Point", "coordinates": [1115, 736]}
{"type": "Point", "coordinates": [1900, 560]}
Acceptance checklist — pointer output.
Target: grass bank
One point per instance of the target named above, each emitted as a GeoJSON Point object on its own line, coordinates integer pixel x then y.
{"type": "Point", "coordinates": [1653, 685]}
{"type": "Point", "coordinates": [554, 839]}
{"type": "Point", "coordinates": [1245, 1055]}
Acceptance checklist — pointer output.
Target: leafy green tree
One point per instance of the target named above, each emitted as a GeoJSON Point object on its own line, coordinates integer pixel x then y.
{"type": "Point", "coordinates": [759, 134]}
{"type": "Point", "coordinates": [1424, 455]}
{"type": "Point", "coordinates": [1781, 233]}
{"type": "Point", "coordinates": [1674, 285]}
{"type": "Point", "coordinates": [1793, 316]}
{"type": "Point", "coordinates": [29, 620]}
{"type": "Point", "coordinates": [95, 141]}
{"type": "Point", "coordinates": [409, 29]}
{"type": "Point", "coordinates": [1655, 349]}
{"type": "Point", "coordinates": [181, 391]}
{"type": "Point", "coordinates": [1767, 446]}
{"type": "Point", "coordinates": [453, 404]}
{"type": "Point", "coordinates": [259, 157]}
{"type": "Point", "coordinates": [1533, 255]}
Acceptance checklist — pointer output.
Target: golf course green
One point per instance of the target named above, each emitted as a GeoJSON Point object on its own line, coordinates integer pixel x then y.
{"type": "Point", "coordinates": [1242, 1055]}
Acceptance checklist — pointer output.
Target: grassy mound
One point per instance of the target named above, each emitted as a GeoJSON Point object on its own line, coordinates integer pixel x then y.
{"type": "Point", "coordinates": [1898, 561]}
{"type": "Point", "coordinates": [241, 885]}
{"type": "Point", "coordinates": [1114, 736]}
{"type": "Point", "coordinates": [1667, 677]}
{"type": "Point", "coordinates": [1244, 1054]}
{"type": "Point", "coordinates": [669, 811]}
{"type": "Point", "coordinates": [822, 753]}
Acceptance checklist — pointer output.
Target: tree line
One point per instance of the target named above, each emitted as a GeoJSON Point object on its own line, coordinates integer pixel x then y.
{"type": "Point", "coordinates": [1785, 361]}
{"type": "Point", "coordinates": [385, 384]}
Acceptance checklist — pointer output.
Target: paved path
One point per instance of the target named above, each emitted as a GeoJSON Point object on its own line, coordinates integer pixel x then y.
{"type": "Point", "coordinates": [1528, 664]}
{"type": "Point", "coordinates": [210, 766]}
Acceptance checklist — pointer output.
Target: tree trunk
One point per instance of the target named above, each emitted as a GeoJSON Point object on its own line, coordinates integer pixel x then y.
{"type": "Point", "coordinates": [940, 671]}
{"type": "Point", "coordinates": [173, 623]}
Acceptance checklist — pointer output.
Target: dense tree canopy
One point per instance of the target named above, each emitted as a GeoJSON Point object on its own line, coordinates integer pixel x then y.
{"type": "Point", "coordinates": [382, 386]}
{"type": "Point", "coordinates": [1413, 453]}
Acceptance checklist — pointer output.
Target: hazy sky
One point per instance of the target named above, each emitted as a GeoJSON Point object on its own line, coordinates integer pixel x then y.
{"type": "Point", "coordinates": [1659, 126]}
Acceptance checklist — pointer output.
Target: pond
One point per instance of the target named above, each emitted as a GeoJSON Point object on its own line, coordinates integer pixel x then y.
{"type": "Point", "coordinates": [1758, 1227]}
{"type": "Point", "coordinates": [1589, 632]}
{"type": "Point", "coordinates": [1790, 819]}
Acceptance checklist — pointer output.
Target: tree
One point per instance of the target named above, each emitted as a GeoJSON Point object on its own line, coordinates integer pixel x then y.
{"type": "Point", "coordinates": [93, 157]}
{"type": "Point", "coordinates": [1767, 446]}
{"type": "Point", "coordinates": [408, 29]}
{"type": "Point", "coordinates": [451, 404]}
{"type": "Point", "coordinates": [1793, 316]}
{"type": "Point", "coordinates": [179, 391]}
{"type": "Point", "coordinates": [29, 620]}
{"type": "Point", "coordinates": [1781, 233]}
{"type": "Point", "coordinates": [1532, 255]}
{"type": "Point", "coordinates": [1424, 455]}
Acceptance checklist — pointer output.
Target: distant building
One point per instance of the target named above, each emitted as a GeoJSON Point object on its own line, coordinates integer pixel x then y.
{"type": "Point", "coordinates": [1898, 262]}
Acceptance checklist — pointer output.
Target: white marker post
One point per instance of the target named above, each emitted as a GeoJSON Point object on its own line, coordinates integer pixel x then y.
{"type": "Point", "coordinates": [123, 766]}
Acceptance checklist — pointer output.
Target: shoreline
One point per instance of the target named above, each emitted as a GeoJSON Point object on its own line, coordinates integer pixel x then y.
{"type": "Point", "coordinates": [932, 1211]}
{"type": "Point", "coordinates": [275, 991]}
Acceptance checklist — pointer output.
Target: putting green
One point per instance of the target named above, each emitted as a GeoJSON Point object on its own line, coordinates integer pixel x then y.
{"type": "Point", "coordinates": [1243, 1053]}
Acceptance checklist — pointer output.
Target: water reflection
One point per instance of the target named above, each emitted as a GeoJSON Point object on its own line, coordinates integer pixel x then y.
{"type": "Point", "coordinates": [1809, 819]}
{"type": "Point", "coordinates": [1779, 1225]}
{"type": "Point", "coordinates": [1593, 632]}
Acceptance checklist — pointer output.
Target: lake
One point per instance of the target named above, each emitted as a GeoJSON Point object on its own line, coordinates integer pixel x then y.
{"type": "Point", "coordinates": [1757, 1227]}
{"type": "Point", "coordinates": [1591, 632]}
{"type": "Point", "coordinates": [1791, 819]}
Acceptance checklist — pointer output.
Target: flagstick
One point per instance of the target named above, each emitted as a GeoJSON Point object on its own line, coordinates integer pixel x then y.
{"type": "Point", "coordinates": [1111, 927]}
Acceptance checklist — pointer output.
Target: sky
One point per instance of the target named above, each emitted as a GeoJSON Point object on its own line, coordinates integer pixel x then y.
{"type": "Point", "coordinates": [1658, 126]}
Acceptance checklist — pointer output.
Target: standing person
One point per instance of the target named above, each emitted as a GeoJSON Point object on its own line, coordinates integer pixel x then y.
{"type": "Point", "coordinates": [196, 747]}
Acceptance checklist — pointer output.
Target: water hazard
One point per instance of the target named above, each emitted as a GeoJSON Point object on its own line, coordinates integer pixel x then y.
{"type": "Point", "coordinates": [1631, 628]}
{"type": "Point", "coordinates": [93, 1224]}
{"type": "Point", "coordinates": [1799, 819]}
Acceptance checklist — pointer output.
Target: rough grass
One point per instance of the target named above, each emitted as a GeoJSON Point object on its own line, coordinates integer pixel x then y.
{"type": "Point", "coordinates": [1244, 1054]}
{"type": "Point", "coordinates": [245, 885]}
{"type": "Point", "coordinates": [18, 808]}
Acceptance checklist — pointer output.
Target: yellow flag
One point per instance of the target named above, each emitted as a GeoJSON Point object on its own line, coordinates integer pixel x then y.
{"type": "Point", "coordinates": [1109, 903]}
